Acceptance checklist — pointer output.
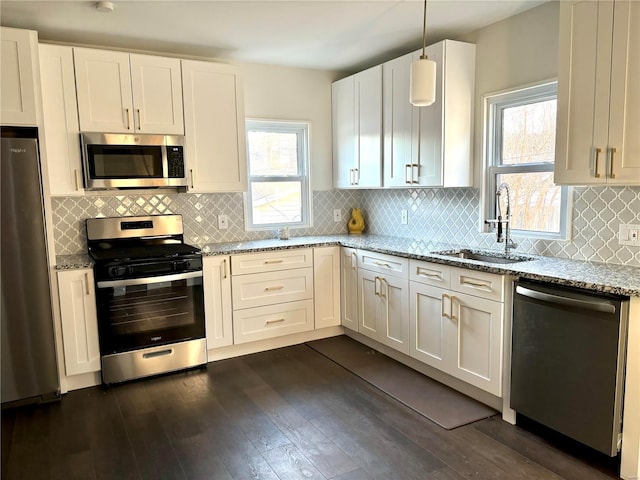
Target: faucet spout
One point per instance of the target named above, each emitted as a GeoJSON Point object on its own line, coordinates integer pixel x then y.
{"type": "Point", "coordinates": [503, 220]}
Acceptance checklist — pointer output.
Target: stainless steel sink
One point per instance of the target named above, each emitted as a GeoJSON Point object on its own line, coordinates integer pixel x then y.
{"type": "Point", "coordinates": [489, 257]}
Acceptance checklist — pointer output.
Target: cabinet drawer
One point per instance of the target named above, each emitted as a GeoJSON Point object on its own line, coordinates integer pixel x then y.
{"type": "Point", "coordinates": [479, 284]}
{"type": "Point", "coordinates": [430, 273]}
{"type": "Point", "coordinates": [381, 263]}
{"type": "Point", "coordinates": [271, 321]}
{"type": "Point", "coordinates": [272, 287]}
{"type": "Point", "coordinates": [271, 261]}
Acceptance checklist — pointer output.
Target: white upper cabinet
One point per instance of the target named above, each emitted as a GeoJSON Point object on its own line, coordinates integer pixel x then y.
{"type": "Point", "coordinates": [120, 92]}
{"type": "Point", "coordinates": [357, 130]}
{"type": "Point", "coordinates": [59, 141]}
{"type": "Point", "coordinates": [18, 67]}
{"type": "Point", "coordinates": [400, 151]}
{"type": "Point", "coordinates": [444, 131]}
{"type": "Point", "coordinates": [214, 127]}
{"type": "Point", "coordinates": [598, 93]}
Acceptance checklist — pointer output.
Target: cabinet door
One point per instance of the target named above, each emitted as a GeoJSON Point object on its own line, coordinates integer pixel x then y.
{"type": "Point", "coordinates": [103, 84]}
{"type": "Point", "coordinates": [217, 301]}
{"type": "Point", "coordinates": [428, 326]}
{"type": "Point", "coordinates": [444, 130]}
{"type": "Point", "coordinates": [157, 94]}
{"type": "Point", "coordinates": [59, 142]}
{"type": "Point", "coordinates": [394, 312]}
{"type": "Point", "coordinates": [79, 321]}
{"type": "Point", "coordinates": [624, 119]}
{"type": "Point", "coordinates": [344, 132]}
{"type": "Point", "coordinates": [584, 62]}
{"type": "Point", "coordinates": [368, 304]}
{"type": "Point", "coordinates": [349, 288]}
{"type": "Point", "coordinates": [476, 341]}
{"type": "Point", "coordinates": [214, 127]}
{"type": "Point", "coordinates": [326, 285]}
{"type": "Point", "coordinates": [17, 57]}
{"type": "Point", "coordinates": [368, 102]}
{"type": "Point", "coordinates": [399, 150]}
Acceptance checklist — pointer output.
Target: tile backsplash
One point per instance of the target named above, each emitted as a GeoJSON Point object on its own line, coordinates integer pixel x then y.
{"type": "Point", "coordinates": [449, 215]}
{"type": "Point", "coordinates": [200, 215]}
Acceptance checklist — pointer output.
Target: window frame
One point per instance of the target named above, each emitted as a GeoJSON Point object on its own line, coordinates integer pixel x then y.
{"type": "Point", "coordinates": [494, 105]}
{"type": "Point", "coordinates": [302, 130]}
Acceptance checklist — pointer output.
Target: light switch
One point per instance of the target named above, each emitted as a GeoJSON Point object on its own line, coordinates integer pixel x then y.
{"type": "Point", "coordinates": [628, 235]}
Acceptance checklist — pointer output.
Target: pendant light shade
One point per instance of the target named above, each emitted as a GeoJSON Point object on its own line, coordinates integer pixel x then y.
{"type": "Point", "coordinates": [422, 91]}
{"type": "Point", "coordinates": [423, 82]}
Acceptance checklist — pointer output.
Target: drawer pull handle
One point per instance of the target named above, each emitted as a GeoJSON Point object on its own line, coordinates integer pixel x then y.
{"type": "Point", "coordinates": [596, 174]}
{"type": "Point", "coordinates": [77, 177]}
{"type": "Point", "coordinates": [277, 320]}
{"type": "Point", "coordinates": [426, 273]}
{"type": "Point", "coordinates": [272, 289]}
{"type": "Point", "coordinates": [382, 264]}
{"type": "Point", "coordinates": [86, 283]}
{"type": "Point", "coordinates": [353, 264]}
{"type": "Point", "coordinates": [225, 273]}
{"type": "Point", "coordinates": [126, 112]}
{"type": "Point", "coordinates": [191, 175]}
{"type": "Point", "coordinates": [268, 262]}
{"type": "Point", "coordinates": [483, 286]}
{"type": "Point", "coordinates": [139, 119]}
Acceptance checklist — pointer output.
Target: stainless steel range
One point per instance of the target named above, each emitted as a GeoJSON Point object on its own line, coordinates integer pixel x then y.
{"type": "Point", "coordinates": [149, 296]}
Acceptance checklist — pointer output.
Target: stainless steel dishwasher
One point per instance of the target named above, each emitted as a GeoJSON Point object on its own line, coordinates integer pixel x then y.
{"type": "Point", "coordinates": [567, 364]}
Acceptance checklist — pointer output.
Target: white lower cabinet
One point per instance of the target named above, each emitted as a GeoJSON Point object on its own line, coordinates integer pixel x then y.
{"type": "Point", "coordinates": [217, 301]}
{"type": "Point", "coordinates": [349, 288]}
{"type": "Point", "coordinates": [79, 321]}
{"type": "Point", "coordinates": [326, 286]}
{"type": "Point", "coordinates": [272, 294]}
{"type": "Point", "coordinates": [454, 331]}
{"type": "Point", "coordinates": [384, 303]}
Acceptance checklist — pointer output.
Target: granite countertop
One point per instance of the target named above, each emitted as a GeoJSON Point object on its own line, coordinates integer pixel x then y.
{"type": "Point", "coordinates": [601, 277]}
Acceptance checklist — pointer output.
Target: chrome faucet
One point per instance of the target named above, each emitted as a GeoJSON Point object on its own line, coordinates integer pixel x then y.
{"type": "Point", "coordinates": [503, 220]}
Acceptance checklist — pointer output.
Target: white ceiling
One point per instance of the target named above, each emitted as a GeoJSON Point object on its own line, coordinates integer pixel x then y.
{"type": "Point", "coordinates": [340, 35]}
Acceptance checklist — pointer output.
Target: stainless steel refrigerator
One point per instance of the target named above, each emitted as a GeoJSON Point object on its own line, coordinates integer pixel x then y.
{"type": "Point", "coordinates": [29, 372]}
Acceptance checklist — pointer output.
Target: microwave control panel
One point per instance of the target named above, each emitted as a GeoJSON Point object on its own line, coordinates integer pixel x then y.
{"type": "Point", "coordinates": [175, 162]}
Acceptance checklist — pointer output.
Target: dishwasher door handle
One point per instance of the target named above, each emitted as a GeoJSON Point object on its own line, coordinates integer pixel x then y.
{"type": "Point", "coordinates": [565, 301]}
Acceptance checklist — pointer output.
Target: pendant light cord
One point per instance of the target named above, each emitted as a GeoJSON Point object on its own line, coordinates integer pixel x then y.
{"type": "Point", "coordinates": [424, 31]}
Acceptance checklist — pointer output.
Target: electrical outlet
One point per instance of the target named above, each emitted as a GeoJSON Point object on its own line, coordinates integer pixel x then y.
{"type": "Point", "coordinates": [404, 217]}
{"type": "Point", "coordinates": [628, 235]}
{"type": "Point", "coordinates": [337, 215]}
{"type": "Point", "coordinates": [223, 222]}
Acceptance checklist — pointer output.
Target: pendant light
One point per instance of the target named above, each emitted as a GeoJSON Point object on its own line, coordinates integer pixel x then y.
{"type": "Point", "coordinates": [423, 74]}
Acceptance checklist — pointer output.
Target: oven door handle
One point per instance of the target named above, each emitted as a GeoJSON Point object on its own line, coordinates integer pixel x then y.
{"type": "Point", "coordinates": [148, 280]}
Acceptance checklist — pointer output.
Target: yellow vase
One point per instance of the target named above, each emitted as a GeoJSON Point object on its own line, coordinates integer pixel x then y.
{"type": "Point", "coordinates": [356, 224]}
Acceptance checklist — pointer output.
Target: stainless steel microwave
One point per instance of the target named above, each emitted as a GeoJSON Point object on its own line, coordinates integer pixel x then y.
{"type": "Point", "coordinates": [115, 160]}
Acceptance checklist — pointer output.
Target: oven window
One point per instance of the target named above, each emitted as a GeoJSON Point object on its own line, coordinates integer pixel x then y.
{"type": "Point", "coordinates": [106, 161]}
{"type": "Point", "coordinates": [144, 315]}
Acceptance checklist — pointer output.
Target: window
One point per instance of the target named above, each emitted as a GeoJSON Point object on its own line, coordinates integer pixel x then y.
{"type": "Point", "coordinates": [521, 132]}
{"type": "Point", "coordinates": [278, 193]}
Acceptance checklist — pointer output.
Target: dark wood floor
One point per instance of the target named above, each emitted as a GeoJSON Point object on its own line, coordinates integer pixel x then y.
{"type": "Point", "coordinates": [284, 414]}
